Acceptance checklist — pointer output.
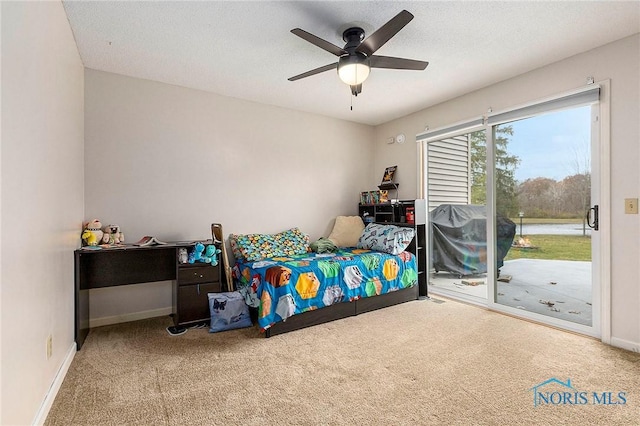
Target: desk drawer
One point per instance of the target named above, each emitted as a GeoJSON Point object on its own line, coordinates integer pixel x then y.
{"type": "Point", "coordinates": [198, 274]}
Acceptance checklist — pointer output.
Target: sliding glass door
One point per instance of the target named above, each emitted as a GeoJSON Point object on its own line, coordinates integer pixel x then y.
{"type": "Point", "coordinates": [513, 211]}
{"type": "Point", "coordinates": [543, 186]}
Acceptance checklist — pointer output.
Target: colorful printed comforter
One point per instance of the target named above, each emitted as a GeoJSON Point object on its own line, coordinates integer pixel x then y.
{"type": "Point", "coordinates": [284, 286]}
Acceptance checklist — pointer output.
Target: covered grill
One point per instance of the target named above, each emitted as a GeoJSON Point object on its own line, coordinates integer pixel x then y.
{"type": "Point", "coordinates": [459, 238]}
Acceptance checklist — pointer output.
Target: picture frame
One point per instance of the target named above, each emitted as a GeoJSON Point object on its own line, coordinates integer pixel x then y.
{"type": "Point", "coordinates": [389, 174]}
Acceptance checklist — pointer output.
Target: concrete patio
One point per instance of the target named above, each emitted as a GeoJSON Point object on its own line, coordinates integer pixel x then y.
{"type": "Point", "coordinates": [556, 288]}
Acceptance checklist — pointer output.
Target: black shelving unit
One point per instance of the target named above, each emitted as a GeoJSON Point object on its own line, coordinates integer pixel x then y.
{"type": "Point", "coordinates": [396, 214]}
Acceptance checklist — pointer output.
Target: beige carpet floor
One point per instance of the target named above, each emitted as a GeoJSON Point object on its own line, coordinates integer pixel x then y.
{"type": "Point", "coordinates": [417, 363]}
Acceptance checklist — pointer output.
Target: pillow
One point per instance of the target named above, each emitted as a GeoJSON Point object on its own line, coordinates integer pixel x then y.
{"type": "Point", "coordinates": [292, 242]}
{"type": "Point", "coordinates": [346, 231]}
{"type": "Point", "coordinates": [234, 246]}
{"type": "Point", "coordinates": [255, 247]}
{"type": "Point", "coordinates": [390, 239]}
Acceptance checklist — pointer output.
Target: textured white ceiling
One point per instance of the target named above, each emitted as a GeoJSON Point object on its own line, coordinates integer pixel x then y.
{"type": "Point", "coordinates": [245, 49]}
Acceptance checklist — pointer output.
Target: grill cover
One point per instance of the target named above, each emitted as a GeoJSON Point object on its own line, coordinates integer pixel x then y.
{"type": "Point", "coordinates": [459, 238]}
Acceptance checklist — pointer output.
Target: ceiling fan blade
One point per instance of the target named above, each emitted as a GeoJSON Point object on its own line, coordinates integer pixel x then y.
{"type": "Point", "coordinates": [322, 44]}
{"type": "Point", "coordinates": [396, 63]}
{"type": "Point", "coordinates": [314, 72]}
{"type": "Point", "coordinates": [384, 33]}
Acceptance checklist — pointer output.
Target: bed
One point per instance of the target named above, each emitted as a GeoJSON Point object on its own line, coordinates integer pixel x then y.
{"type": "Point", "coordinates": [299, 288]}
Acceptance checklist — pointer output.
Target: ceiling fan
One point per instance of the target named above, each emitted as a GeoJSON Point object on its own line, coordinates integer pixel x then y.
{"type": "Point", "coordinates": [357, 57]}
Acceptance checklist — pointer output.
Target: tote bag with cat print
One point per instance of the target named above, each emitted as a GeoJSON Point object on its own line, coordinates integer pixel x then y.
{"type": "Point", "coordinates": [228, 311]}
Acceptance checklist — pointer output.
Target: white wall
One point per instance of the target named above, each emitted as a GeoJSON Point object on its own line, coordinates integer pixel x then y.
{"type": "Point", "coordinates": [168, 161]}
{"type": "Point", "coordinates": [41, 199]}
{"type": "Point", "coordinates": [618, 61]}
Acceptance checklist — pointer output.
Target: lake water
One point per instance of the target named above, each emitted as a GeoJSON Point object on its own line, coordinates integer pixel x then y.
{"type": "Point", "coordinates": [551, 229]}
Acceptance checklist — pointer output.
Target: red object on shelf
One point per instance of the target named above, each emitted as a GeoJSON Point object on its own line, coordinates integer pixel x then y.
{"type": "Point", "coordinates": [410, 214]}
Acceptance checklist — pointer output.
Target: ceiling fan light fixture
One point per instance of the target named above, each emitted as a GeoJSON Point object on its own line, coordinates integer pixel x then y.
{"type": "Point", "coordinates": [357, 57]}
{"type": "Point", "coordinates": [353, 69]}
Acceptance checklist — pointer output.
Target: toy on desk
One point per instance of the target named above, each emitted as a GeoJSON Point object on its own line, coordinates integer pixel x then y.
{"type": "Point", "coordinates": [183, 256]}
{"type": "Point", "coordinates": [196, 253]}
{"type": "Point", "coordinates": [211, 255]}
{"type": "Point", "coordinates": [92, 233]}
{"type": "Point", "coordinates": [88, 238]}
{"type": "Point", "coordinates": [112, 235]}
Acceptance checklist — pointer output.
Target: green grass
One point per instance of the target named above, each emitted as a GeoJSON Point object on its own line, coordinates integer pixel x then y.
{"type": "Point", "coordinates": [554, 247]}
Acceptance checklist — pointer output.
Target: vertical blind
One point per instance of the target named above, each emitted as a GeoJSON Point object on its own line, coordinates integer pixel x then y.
{"type": "Point", "coordinates": [577, 98]}
{"type": "Point", "coordinates": [448, 171]}
{"type": "Point", "coordinates": [584, 96]}
{"type": "Point", "coordinates": [452, 130]}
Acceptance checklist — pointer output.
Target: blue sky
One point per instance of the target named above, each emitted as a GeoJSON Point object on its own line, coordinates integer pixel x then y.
{"type": "Point", "coordinates": [551, 145]}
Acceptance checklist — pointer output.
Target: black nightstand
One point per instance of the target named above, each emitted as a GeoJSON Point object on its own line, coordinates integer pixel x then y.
{"type": "Point", "coordinates": [190, 300]}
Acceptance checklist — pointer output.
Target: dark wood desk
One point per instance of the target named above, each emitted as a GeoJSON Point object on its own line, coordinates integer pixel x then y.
{"type": "Point", "coordinates": [118, 266]}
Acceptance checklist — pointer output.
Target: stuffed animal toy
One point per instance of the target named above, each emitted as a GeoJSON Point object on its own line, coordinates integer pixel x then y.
{"type": "Point", "coordinates": [183, 256]}
{"type": "Point", "coordinates": [95, 227]}
{"type": "Point", "coordinates": [211, 255]}
{"type": "Point", "coordinates": [112, 235]}
{"type": "Point", "coordinates": [88, 238]}
{"type": "Point", "coordinates": [196, 253]}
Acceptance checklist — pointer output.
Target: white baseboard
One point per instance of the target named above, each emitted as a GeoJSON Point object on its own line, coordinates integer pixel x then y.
{"type": "Point", "coordinates": [43, 412]}
{"type": "Point", "coordinates": [625, 344]}
{"type": "Point", "coordinates": [134, 316]}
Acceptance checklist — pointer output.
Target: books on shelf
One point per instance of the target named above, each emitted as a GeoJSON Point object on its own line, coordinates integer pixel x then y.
{"type": "Point", "coordinates": [374, 197]}
{"type": "Point", "coordinates": [148, 240]}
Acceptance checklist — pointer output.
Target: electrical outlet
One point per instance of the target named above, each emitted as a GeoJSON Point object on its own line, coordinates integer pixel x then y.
{"type": "Point", "coordinates": [49, 346]}
{"type": "Point", "coordinates": [631, 206]}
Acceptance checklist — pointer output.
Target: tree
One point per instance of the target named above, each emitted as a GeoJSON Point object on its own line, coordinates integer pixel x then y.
{"type": "Point", "coordinates": [506, 164]}
{"type": "Point", "coordinates": [545, 197]}
{"type": "Point", "coordinates": [537, 196]}
{"type": "Point", "coordinates": [579, 185]}
{"type": "Point", "coordinates": [577, 189]}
